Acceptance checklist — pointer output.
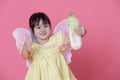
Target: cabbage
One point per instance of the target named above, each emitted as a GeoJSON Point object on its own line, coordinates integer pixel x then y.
{"type": "Point", "coordinates": [75, 40]}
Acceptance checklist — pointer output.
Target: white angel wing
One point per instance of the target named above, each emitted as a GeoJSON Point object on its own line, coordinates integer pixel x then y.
{"type": "Point", "coordinates": [19, 35]}
{"type": "Point", "coordinates": [63, 26]}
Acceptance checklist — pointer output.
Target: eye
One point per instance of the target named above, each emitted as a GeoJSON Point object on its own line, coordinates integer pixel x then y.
{"type": "Point", "coordinates": [38, 27]}
{"type": "Point", "coordinates": [46, 26]}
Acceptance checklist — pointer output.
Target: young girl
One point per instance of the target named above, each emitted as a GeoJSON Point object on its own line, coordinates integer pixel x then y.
{"type": "Point", "coordinates": [47, 61]}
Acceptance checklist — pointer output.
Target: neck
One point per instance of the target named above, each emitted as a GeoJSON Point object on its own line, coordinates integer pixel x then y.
{"type": "Point", "coordinates": [42, 41]}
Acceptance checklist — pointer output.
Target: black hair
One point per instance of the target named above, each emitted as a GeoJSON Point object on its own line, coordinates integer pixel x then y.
{"type": "Point", "coordinates": [35, 19]}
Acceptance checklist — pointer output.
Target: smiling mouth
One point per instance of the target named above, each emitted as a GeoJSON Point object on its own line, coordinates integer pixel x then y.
{"type": "Point", "coordinates": [43, 34]}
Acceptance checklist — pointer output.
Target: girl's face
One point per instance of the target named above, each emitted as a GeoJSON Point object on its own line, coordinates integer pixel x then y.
{"type": "Point", "coordinates": [42, 31]}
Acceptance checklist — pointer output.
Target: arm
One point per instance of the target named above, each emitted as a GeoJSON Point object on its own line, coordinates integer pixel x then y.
{"type": "Point", "coordinates": [25, 53]}
{"type": "Point", "coordinates": [66, 41]}
{"type": "Point", "coordinates": [25, 50]}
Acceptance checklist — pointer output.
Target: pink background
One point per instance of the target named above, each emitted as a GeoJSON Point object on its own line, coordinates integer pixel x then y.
{"type": "Point", "coordinates": [99, 57]}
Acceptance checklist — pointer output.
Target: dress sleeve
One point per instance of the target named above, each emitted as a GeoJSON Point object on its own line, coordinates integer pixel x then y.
{"type": "Point", "coordinates": [32, 49]}
{"type": "Point", "coordinates": [59, 38]}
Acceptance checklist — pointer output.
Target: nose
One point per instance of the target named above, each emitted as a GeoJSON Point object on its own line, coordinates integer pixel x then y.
{"type": "Point", "coordinates": [42, 29]}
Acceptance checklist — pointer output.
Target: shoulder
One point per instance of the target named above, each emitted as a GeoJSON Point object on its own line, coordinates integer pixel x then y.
{"type": "Point", "coordinates": [58, 34]}
{"type": "Point", "coordinates": [35, 45]}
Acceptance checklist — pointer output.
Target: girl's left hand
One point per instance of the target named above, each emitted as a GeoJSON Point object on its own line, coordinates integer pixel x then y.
{"type": "Point", "coordinates": [80, 31]}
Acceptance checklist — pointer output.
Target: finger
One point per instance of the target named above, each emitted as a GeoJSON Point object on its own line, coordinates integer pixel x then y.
{"type": "Point", "coordinates": [27, 37]}
{"type": "Point", "coordinates": [80, 25]}
{"type": "Point", "coordinates": [82, 28]}
{"type": "Point", "coordinates": [78, 29]}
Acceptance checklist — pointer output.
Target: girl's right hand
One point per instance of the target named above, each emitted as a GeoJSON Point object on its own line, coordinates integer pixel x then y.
{"type": "Point", "coordinates": [28, 42]}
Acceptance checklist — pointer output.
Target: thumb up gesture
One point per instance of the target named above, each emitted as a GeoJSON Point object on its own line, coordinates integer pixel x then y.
{"type": "Point", "coordinates": [28, 41]}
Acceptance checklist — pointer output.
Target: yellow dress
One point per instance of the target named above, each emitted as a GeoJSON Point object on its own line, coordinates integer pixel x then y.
{"type": "Point", "coordinates": [48, 62]}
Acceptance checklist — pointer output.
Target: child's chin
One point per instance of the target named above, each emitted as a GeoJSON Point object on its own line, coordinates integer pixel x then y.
{"type": "Point", "coordinates": [44, 38]}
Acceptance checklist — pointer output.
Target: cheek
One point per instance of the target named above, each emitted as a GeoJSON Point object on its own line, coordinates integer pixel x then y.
{"type": "Point", "coordinates": [36, 32]}
{"type": "Point", "coordinates": [48, 30]}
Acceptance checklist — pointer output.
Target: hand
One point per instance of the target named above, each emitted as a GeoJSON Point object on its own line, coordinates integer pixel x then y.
{"type": "Point", "coordinates": [28, 42]}
{"type": "Point", "coordinates": [80, 31]}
